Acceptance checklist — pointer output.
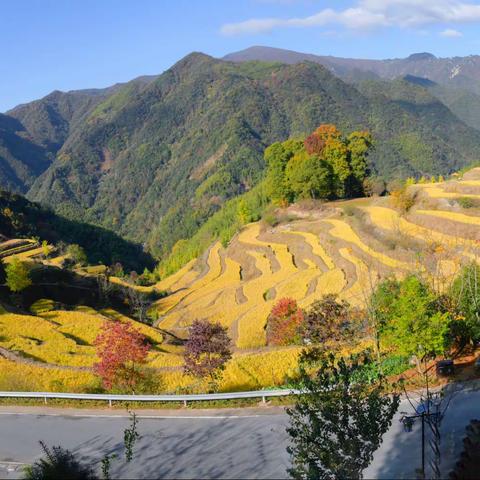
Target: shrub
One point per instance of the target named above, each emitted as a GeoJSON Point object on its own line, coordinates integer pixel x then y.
{"type": "Point", "coordinates": [374, 186]}
{"type": "Point", "coordinates": [403, 199]}
{"type": "Point", "coordinates": [207, 350]}
{"type": "Point", "coordinates": [77, 254]}
{"type": "Point", "coordinates": [411, 322]}
{"type": "Point", "coordinates": [58, 463]}
{"type": "Point", "coordinates": [327, 319]}
{"type": "Point", "coordinates": [270, 217]}
{"type": "Point", "coordinates": [17, 275]}
{"type": "Point", "coordinates": [284, 323]}
{"type": "Point", "coordinates": [467, 202]}
{"type": "Point", "coordinates": [465, 295]}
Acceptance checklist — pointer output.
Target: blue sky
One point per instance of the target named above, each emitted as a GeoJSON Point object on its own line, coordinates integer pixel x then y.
{"type": "Point", "coordinates": [73, 44]}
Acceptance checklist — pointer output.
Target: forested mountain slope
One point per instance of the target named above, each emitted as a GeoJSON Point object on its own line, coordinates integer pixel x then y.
{"type": "Point", "coordinates": [21, 159]}
{"type": "Point", "coordinates": [457, 72]}
{"type": "Point", "coordinates": [154, 161]}
{"type": "Point", "coordinates": [20, 218]}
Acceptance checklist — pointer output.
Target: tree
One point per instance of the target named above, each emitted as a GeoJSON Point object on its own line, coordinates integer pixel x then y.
{"type": "Point", "coordinates": [327, 131]}
{"type": "Point", "coordinates": [411, 322]}
{"type": "Point", "coordinates": [45, 249]}
{"type": "Point", "coordinates": [58, 463]}
{"type": "Point", "coordinates": [139, 303]}
{"type": "Point", "coordinates": [17, 275]}
{"type": "Point", "coordinates": [77, 254]}
{"type": "Point", "coordinates": [359, 145]}
{"type": "Point", "coordinates": [308, 176]}
{"type": "Point", "coordinates": [284, 323]}
{"type": "Point", "coordinates": [337, 155]}
{"type": "Point", "coordinates": [373, 186]}
{"type": "Point", "coordinates": [122, 350]}
{"type": "Point", "coordinates": [465, 294]}
{"type": "Point", "coordinates": [340, 418]}
{"type": "Point", "coordinates": [276, 157]}
{"type": "Point", "coordinates": [328, 319]}
{"type": "Point", "coordinates": [314, 145]}
{"type": "Point", "coordinates": [207, 350]}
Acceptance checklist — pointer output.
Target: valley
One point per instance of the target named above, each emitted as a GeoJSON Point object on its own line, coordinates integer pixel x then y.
{"type": "Point", "coordinates": [344, 248]}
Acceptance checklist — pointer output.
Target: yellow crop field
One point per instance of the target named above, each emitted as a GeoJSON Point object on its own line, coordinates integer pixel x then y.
{"type": "Point", "coordinates": [365, 282]}
{"type": "Point", "coordinates": [23, 377]}
{"type": "Point", "coordinates": [472, 183]}
{"type": "Point", "coordinates": [389, 219]}
{"type": "Point", "coordinates": [434, 191]}
{"type": "Point", "coordinates": [60, 337]}
{"type": "Point", "coordinates": [331, 282]}
{"type": "Point", "coordinates": [179, 279]}
{"type": "Point", "coordinates": [249, 235]}
{"type": "Point", "coordinates": [455, 216]}
{"type": "Point", "coordinates": [238, 285]}
{"type": "Point", "coordinates": [214, 269]}
{"type": "Point", "coordinates": [25, 255]}
{"type": "Point", "coordinates": [42, 340]}
{"type": "Point", "coordinates": [345, 232]}
{"type": "Point", "coordinates": [317, 248]}
{"type": "Point", "coordinates": [253, 371]}
{"type": "Point", "coordinates": [57, 261]}
{"type": "Point", "coordinates": [124, 283]}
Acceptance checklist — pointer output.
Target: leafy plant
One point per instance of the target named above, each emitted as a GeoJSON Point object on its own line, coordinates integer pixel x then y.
{"type": "Point", "coordinates": [130, 436]}
{"type": "Point", "coordinates": [207, 350]}
{"type": "Point", "coordinates": [122, 350]}
{"type": "Point", "coordinates": [58, 463]}
{"type": "Point", "coordinates": [411, 322]}
{"type": "Point", "coordinates": [339, 420]}
{"type": "Point", "coordinates": [17, 275]}
{"type": "Point", "coordinates": [467, 202]}
{"type": "Point", "coordinates": [328, 319]}
{"type": "Point", "coordinates": [284, 323]}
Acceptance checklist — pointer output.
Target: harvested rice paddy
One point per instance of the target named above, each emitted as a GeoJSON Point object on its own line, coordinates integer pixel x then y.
{"type": "Point", "coordinates": [238, 285]}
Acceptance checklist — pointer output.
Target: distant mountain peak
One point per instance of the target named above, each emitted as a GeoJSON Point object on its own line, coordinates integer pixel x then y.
{"type": "Point", "coordinates": [420, 57]}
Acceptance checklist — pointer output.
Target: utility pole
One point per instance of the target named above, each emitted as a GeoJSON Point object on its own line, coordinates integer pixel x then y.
{"type": "Point", "coordinates": [433, 420]}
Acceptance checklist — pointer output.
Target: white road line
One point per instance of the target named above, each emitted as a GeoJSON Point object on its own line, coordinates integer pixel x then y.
{"type": "Point", "coordinates": [165, 417]}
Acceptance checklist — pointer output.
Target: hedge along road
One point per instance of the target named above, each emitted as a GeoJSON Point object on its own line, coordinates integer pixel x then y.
{"type": "Point", "coordinates": [250, 444]}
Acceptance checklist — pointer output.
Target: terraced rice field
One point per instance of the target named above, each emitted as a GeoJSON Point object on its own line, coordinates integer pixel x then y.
{"type": "Point", "coordinates": [332, 253]}
{"type": "Point", "coordinates": [54, 352]}
{"type": "Point", "coordinates": [324, 252]}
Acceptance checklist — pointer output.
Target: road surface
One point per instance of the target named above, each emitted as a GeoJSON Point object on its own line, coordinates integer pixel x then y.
{"type": "Point", "coordinates": [202, 445]}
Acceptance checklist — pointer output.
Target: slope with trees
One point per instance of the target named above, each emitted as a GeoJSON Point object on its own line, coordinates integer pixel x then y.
{"type": "Point", "coordinates": [198, 132]}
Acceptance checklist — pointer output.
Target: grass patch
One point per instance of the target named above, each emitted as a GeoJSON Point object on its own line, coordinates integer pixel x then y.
{"type": "Point", "coordinates": [468, 202]}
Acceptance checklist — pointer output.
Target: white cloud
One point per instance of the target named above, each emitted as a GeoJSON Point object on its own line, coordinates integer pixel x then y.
{"type": "Point", "coordinates": [451, 33]}
{"type": "Point", "coordinates": [370, 14]}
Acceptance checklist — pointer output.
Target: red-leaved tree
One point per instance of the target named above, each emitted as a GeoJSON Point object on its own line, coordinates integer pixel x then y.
{"type": "Point", "coordinates": [122, 350]}
{"type": "Point", "coordinates": [284, 322]}
{"type": "Point", "coordinates": [207, 350]}
{"type": "Point", "coordinates": [314, 145]}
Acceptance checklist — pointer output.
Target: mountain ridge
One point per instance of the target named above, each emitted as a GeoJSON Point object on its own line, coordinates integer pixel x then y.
{"type": "Point", "coordinates": [461, 72]}
{"type": "Point", "coordinates": [154, 159]}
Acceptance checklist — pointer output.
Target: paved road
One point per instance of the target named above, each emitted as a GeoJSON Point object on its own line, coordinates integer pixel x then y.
{"type": "Point", "coordinates": [247, 446]}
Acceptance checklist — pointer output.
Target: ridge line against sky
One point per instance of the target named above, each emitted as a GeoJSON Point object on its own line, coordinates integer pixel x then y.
{"type": "Point", "coordinates": [53, 45]}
